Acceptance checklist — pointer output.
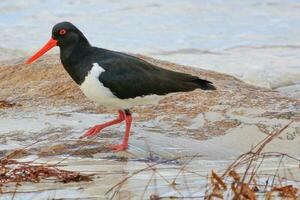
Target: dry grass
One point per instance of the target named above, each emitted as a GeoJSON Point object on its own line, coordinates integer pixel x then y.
{"type": "Point", "coordinates": [241, 180]}
{"type": "Point", "coordinates": [6, 104]}
{"type": "Point", "coordinates": [244, 185]}
{"type": "Point", "coordinates": [12, 171]}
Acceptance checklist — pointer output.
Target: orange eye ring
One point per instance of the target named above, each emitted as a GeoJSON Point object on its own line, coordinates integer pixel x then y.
{"type": "Point", "coordinates": [62, 31]}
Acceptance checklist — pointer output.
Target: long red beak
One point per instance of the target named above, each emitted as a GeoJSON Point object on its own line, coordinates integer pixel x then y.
{"type": "Point", "coordinates": [50, 44]}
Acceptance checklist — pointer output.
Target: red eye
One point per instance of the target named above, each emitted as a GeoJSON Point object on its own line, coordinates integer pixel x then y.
{"type": "Point", "coordinates": [62, 31]}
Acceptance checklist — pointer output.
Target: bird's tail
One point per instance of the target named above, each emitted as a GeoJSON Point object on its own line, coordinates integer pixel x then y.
{"type": "Point", "coordinates": [204, 84]}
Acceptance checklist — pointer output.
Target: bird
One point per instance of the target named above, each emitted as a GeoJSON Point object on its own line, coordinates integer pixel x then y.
{"type": "Point", "coordinates": [114, 79]}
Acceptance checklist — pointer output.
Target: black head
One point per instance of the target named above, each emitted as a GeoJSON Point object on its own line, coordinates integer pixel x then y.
{"type": "Point", "coordinates": [66, 36]}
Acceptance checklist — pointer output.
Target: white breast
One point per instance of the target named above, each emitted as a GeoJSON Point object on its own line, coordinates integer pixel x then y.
{"type": "Point", "coordinates": [95, 90]}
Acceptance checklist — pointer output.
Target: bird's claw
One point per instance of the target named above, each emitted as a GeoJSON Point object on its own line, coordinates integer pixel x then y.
{"type": "Point", "coordinates": [117, 147]}
{"type": "Point", "coordinates": [91, 132]}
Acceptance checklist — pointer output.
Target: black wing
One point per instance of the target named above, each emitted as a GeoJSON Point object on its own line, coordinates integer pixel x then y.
{"type": "Point", "coordinates": [128, 77]}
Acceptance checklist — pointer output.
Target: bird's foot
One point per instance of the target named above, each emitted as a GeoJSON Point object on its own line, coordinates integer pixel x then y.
{"type": "Point", "coordinates": [92, 131]}
{"type": "Point", "coordinates": [118, 147]}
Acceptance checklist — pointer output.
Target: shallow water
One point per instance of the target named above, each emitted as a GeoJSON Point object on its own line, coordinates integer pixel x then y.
{"type": "Point", "coordinates": [50, 137]}
{"type": "Point", "coordinates": [257, 41]}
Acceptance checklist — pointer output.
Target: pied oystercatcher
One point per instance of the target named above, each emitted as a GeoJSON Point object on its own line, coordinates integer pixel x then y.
{"type": "Point", "coordinates": [115, 79]}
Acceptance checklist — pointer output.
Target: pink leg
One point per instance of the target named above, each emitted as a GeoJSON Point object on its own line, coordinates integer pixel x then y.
{"type": "Point", "coordinates": [96, 129]}
{"type": "Point", "coordinates": [124, 144]}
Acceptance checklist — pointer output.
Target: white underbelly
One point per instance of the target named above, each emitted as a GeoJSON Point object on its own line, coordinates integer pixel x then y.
{"type": "Point", "coordinates": [95, 91]}
{"type": "Point", "coordinates": [102, 97]}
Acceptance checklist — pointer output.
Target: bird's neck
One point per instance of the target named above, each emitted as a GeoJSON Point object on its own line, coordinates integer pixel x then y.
{"type": "Point", "coordinates": [70, 52]}
{"type": "Point", "coordinates": [73, 57]}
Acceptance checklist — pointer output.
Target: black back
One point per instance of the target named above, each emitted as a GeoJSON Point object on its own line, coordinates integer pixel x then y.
{"type": "Point", "coordinates": [128, 77]}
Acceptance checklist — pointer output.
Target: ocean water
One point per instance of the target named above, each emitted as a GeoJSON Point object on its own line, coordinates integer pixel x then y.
{"type": "Point", "coordinates": [256, 41]}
